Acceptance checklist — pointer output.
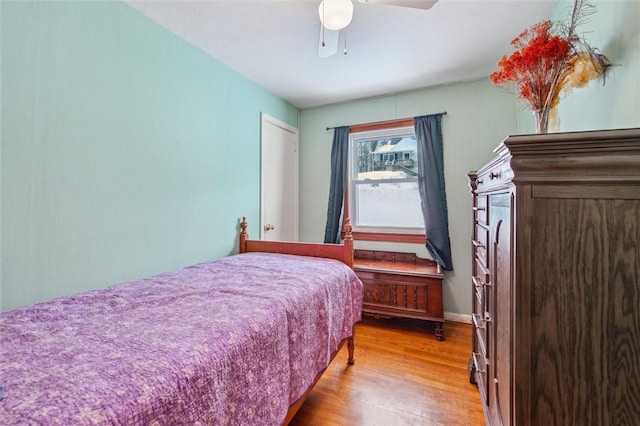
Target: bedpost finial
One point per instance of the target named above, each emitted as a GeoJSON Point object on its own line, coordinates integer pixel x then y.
{"type": "Point", "coordinates": [244, 236]}
{"type": "Point", "coordinates": [348, 229]}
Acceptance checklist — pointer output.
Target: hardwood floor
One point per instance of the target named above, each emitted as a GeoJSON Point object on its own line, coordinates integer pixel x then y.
{"type": "Point", "coordinates": [402, 376]}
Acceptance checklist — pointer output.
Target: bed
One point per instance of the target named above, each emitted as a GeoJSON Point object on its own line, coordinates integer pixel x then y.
{"type": "Point", "coordinates": [237, 340]}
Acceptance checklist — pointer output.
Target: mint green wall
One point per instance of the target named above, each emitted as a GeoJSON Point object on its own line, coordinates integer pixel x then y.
{"type": "Point", "coordinates": [478, 118]}
{"type": "Point", "coordinates": [615, 30]}
{"type": "Point", "coordinates": [125, 151]}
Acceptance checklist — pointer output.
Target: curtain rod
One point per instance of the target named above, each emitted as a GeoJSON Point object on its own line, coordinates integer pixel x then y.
{"type": "Point", "coordinates": [383, 122]}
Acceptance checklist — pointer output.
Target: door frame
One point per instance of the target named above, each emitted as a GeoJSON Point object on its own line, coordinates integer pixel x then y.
{"type": "Point", "coordinates": [265, 120]}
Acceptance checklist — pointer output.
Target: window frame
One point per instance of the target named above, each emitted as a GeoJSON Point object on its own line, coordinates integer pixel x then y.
{"type": "Point", "coordinates": [367, 132]}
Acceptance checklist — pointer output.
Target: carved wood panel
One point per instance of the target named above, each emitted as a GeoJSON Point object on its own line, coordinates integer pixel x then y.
{"type": "Point", "coordinates": [381, 294]}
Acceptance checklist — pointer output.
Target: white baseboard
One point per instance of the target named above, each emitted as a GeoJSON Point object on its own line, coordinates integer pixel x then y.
{"type": "Point", "coordinates": [464, 318]}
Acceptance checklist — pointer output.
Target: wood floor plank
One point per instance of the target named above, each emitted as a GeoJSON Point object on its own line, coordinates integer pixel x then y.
{"type": "Point", "coordinates": [402, 376]}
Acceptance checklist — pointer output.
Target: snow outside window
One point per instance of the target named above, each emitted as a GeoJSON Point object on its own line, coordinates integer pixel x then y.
{"type": "Point", "coordinates": [383, 188]}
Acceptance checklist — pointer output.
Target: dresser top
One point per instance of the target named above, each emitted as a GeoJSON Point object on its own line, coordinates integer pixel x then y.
{"type": "Point", "coordinates": [614, 140]}
{"type": "Point", "coordinates": [610, 157]}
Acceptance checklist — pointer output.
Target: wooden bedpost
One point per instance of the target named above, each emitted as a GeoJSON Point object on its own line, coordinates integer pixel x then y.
{"type": "Point", "coordinates": [348, 243]}
{"type": "Point", "coordinates": [348, 247]}
{"type": "Point", "coordinates": [243, 235]}
{"type": "Point", "coordinates": [351, 345]}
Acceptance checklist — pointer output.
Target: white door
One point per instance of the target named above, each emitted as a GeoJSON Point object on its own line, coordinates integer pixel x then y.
{"type": "Point", "coordinates": [279, 181]}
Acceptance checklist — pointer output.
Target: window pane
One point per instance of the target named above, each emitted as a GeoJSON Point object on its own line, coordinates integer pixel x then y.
{"type": "Point", "coordinates": [387, 158]}
{"type": "Point", "coordinates": [389, 205]}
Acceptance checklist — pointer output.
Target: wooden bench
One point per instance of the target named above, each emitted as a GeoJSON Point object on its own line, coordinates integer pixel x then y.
{"type": "Point", "coordinates": [400, 285]}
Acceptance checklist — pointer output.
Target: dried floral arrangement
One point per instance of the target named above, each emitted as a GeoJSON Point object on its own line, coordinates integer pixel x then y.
{"type": "Point", "coordinates": [551, 59]}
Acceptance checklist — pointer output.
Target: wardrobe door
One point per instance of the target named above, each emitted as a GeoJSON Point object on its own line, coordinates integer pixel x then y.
{"type": "Point", "coordinates": [500, 381]}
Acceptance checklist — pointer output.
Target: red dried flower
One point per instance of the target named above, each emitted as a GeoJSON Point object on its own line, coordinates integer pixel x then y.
{"type": "Point", "coordinates": [544, 56]}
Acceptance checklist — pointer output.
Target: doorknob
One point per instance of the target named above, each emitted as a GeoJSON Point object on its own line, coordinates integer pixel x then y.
{"type": "Point", "coordinates": [269, 227]}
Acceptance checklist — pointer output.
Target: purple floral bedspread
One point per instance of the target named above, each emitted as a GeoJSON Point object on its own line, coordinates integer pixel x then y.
{"type": "Point", "coordinates": [234, 341]}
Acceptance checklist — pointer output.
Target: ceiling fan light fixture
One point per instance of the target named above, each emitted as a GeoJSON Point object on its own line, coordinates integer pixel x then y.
{"type": "Point", "coordinates": [335, 14]}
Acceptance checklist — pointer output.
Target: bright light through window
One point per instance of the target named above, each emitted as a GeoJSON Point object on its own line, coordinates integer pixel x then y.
{"type": "Point", "coordinates": [384, 193]}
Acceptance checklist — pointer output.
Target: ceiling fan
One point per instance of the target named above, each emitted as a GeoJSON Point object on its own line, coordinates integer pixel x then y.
{"type": "Point", "coordinates": [337, 14]}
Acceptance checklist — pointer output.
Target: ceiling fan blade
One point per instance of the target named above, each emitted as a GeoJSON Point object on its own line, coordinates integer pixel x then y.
{"type": "Point", "coordinates": [415, 4]}
{"type": "Point", "coordinates": [330, 38]}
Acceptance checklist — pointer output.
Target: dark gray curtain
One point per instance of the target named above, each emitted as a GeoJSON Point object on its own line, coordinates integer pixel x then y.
{"type": "Point", "coordinates": [339, 158]}
{"type": "Point", "coordinates": [428, 130]}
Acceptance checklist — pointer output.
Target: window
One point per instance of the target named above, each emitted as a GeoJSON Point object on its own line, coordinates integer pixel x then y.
{"type": "Point", "coordinates": [383, 184]}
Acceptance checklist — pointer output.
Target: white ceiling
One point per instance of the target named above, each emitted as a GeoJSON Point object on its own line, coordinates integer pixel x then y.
{"type": "Point", "coordinates": [390, 49]}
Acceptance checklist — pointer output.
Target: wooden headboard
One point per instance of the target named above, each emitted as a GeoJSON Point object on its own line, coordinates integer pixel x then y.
{"type": "Point", "coordinates": [342, 252]}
